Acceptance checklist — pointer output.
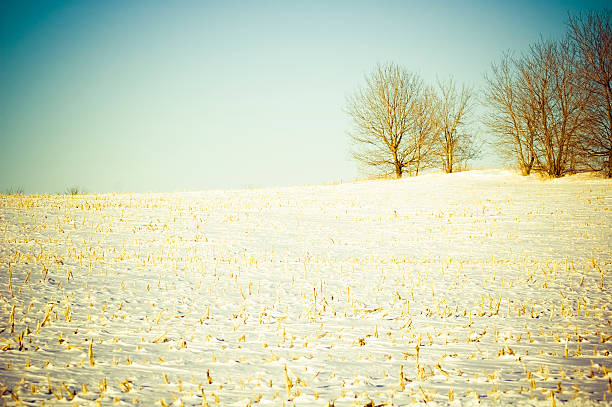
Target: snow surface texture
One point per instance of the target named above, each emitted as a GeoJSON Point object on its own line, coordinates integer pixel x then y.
{"type": "Point", "coordinates": [474, 288]}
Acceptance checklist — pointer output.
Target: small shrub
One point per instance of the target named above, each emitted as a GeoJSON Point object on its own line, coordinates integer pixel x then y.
{"type": "Point", "coordinates": [75, 190]}
{"type": "Point", "coordinates": [14, 191]}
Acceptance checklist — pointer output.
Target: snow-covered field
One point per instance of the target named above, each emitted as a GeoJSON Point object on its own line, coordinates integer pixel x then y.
{"type": "Point", "coordinates": [473, 288]}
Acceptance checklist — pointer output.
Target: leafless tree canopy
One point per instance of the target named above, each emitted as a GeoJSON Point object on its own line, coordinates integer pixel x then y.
{"type": "Point", "coordinates": [451, 110]}
{"type": "Point", "coordinates": [556, 105]}
{"type": "Point", "coordinates": [510, 117]}
{"type": "Point", "coordinates": [591, 37]}
{"type": "Point", "coordinates": [424, 133]}
{"type": "Point", "coordinates": [393, 129]}
{"type": "Point", "coordinates": [550, 108]}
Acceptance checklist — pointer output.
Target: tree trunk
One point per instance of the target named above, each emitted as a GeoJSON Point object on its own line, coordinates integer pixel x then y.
{"type": "Point", "coordinates": [398, 169]}
{"type": "Point", "coordinates": [610, 163]}
{"type": "Point", "coordinates": [526, 166]}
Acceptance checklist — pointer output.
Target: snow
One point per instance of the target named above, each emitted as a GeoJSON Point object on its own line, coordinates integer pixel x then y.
{"type": "Point", "coordinates": [475, 288]}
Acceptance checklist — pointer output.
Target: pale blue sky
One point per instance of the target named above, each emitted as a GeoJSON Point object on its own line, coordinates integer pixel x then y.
{"type": "Point", "coordinates": [181, 95]}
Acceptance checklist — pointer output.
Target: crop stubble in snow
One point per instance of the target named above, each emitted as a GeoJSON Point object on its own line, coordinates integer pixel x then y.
{"type": "Point", "coordinates": [478, 287]}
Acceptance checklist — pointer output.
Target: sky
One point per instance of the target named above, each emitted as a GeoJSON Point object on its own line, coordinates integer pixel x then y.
{"type": "Point", "coordinates": [137, 96]}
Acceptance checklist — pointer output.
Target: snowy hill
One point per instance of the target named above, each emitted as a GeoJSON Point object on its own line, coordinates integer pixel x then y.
{"type": "Point", "coordinates": [477, 287]}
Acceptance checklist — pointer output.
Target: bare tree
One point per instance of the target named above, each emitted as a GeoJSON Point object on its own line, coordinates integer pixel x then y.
{"type": "Point", "coordinates": [451, 110]}
{"type": "Point", "coordinates": [510, 117]}
{"type": "Point", "coordinates": [13, 191]}
{"type": "Point", "coordinates": [551, 109]}
{"type": "Point", "coordinates": [384, 115]}
{"type": "Point", "coordinates": [557, 104]}
{"type": "Point", "coordinates": [423, 135]}
{"type": "Point", "coordinates": [540, 108]}
{"type": "Point", "coordinates": [74, 190]}
{"type": "Point", "coordinates": [592, 38]}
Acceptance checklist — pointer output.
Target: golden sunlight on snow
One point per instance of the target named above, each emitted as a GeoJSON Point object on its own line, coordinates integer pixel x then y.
{"type": "Point", "coordinates": [478, 287]}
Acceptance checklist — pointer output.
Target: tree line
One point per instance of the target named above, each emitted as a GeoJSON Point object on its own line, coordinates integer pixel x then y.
{"type": "Point", "coordinates": [549, 109]}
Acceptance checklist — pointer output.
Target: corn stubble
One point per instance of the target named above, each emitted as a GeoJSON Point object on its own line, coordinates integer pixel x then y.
{"type": "Point", "coordinates": [379, 293]}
